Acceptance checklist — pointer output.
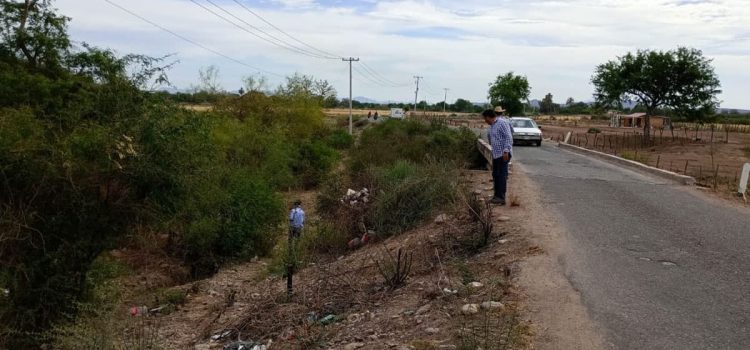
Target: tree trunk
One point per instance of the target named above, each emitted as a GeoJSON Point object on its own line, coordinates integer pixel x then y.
{"type": "Point", "coordinates": [28, 7]}
{"type": "Point", "coordinates": [647, 129]}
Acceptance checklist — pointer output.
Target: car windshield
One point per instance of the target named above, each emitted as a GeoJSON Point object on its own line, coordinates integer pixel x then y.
{"type": "Point", "coordinates": [523, 123]}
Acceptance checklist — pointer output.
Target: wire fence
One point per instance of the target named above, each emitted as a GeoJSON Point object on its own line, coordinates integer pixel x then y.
{"type": "Point", "coordinates": [710, 170]}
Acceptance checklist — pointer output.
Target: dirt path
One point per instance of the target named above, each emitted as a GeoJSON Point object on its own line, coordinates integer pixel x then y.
{"type": "Point", "coordinates": [553, 305]}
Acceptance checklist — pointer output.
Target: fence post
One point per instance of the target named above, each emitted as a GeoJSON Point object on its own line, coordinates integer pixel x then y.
{"type": "Point", "coordinates": [742, 189]}
{"type": "Point", "coordinates": [716, 177]}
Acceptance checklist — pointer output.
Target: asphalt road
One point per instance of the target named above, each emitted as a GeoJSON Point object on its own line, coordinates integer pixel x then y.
{"type": "Point", "coordinates": [658, 266]}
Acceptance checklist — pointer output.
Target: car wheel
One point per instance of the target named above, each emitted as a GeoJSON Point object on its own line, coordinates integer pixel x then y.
{"type": "Point", "coordinates": [539, 143]}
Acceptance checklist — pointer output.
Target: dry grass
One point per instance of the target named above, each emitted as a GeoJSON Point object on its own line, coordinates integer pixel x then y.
{"type": "Point", "coordinates": [244, 302]}
{"type": "Point", "coordinates": [198, 108]}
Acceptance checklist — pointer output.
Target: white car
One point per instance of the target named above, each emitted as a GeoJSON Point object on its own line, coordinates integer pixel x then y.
{"type": "Point", "coordinates": [526, 130]}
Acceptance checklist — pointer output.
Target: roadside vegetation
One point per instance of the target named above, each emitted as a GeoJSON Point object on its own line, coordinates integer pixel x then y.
{"type": "Point", "coordinates": [89, 161]}
{"type": "Point", "coordinates": [410, 169]}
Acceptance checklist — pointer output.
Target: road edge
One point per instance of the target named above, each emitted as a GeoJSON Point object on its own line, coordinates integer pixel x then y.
{"type": "Point", "coordinates": [681, 179]}
{"type": "Point", "coordinates": [553, 305]}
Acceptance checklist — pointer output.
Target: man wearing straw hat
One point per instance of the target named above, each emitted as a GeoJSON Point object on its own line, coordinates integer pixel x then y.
{"type": "Point", "coordinates": [501, 141]}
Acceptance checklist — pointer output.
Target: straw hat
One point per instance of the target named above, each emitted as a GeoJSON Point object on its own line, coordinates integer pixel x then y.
{"type": "Point", "coordinates": [499, 109]}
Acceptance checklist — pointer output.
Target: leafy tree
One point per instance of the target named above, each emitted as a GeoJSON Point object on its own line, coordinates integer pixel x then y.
{"type": "Point", "coordinates": [576, 108]}
{"type": "Point", "coordinates": [305, 86]}
{"type": "Point", "coordinates": [547, 105]}
{"type": "Point", "coordinates": [569, 101]}
{"type": "Point", "coordinates": [509, 91]}
{"type": "Point", "coordinates": [67, 153]}
{"type": "Point", "coordinates": [462, 105]}
{"type": "Point", "coordinates": [32, 32]}
{"type": "Point", "coordinates": [255, 84]}
{"type": "Point", "coordinates": [682, 80]}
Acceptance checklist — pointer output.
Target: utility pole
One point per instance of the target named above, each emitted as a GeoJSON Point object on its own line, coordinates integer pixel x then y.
{"type": "Point", "coordinates": [445, 98]}
{"type": "Point", "coordinates": [416, 92]}
{"type": "Point", "coordinates": [350, 60]}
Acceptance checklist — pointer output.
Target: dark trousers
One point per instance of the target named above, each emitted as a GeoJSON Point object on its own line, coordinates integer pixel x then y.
{"type": "Point", "coordinates": [500, 176]}
{"type": "Point", "coordinates": [295, 232]}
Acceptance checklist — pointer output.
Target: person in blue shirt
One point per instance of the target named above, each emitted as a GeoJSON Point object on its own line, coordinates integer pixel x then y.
{"type": "Point", "coordinates": [296, 219]}
{"type": "Point", "coordinates": [501, 140]}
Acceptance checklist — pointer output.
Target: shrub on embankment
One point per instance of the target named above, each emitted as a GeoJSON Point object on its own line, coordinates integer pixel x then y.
{"type": "Point", "coordinates": [411, 170]}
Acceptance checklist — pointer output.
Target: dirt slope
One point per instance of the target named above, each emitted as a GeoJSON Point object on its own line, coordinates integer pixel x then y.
{"type": "Point", "coordinates": [244, 302]}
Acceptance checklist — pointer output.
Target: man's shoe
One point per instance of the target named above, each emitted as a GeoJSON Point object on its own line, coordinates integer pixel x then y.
{"type": "Point", "coordinates": [498, 201]}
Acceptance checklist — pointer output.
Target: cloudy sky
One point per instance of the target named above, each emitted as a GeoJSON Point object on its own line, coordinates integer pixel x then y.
{"type": "Point", "coordinates": [460, 45]}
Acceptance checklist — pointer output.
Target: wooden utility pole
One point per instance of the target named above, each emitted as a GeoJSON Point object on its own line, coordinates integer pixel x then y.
{"type": "Point", "coordinates": [416, 92]}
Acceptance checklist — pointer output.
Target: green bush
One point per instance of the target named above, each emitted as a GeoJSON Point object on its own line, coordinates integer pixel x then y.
{"type": "Point", "coordinates": [407, 194]}
{"type": "Point", "coordinates": [340, 139]}
{"type": "Point", "coordinates": [391, 140]}
{"type": "Point", "coordinates": [314, 160]}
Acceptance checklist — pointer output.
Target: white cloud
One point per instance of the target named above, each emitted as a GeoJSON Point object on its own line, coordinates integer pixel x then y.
{"type": "Point", "coordinates": [556, 44]}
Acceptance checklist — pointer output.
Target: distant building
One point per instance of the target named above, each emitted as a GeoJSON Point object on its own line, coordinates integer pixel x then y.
{"type": "Point", "coordinates": [637, 120]}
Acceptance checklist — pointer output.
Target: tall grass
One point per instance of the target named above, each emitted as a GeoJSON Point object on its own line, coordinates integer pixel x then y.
{"type": "Point", "coordinates": [408, 193]}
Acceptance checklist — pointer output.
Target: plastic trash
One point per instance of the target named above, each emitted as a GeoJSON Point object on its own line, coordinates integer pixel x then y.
{"type": "Point", "coordinates": [138, 311]}
{"type": "Point", "coordinates": [242, 345]}
{"type": "Point", "coordinates": [328, 319]}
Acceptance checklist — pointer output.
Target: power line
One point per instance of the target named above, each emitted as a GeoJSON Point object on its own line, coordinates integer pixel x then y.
{"type": "Point", "coordinates": [367, 80]}
{"type": "Point", "coordinates": [381, 80]}
{"type": "Point", "coordinates": [367, 72]}
{"type": "Point", "coordinates": [191, 41]}
{"type": "Point", "coordinates": [364, 65]}
{"type": "Point", "coordinates": [293, 49]}
{"type": "Point", "coordinates": [283, 32]}
{"type": "Point", "coordinates": [272, 36]}
{"type": "Point", "coordinates": [372, 78]}
{"type": "Point", "coordinates": [428, 88]}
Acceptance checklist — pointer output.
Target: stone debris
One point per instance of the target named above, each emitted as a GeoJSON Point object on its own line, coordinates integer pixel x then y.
{"type": "Point", "coordinates": [502, 241]}
{"type": "Point", "coordinates": [440, 219]}
{"type": "Point", "coordinates": [476, 285]}
{"type": "Point", "coordinates": [492, 305]}
{"type": "Point", "coordinates": [432, 330]}
{"type": "Point", "coordinates": [354, 318]}
{"type": "Point", "coordinates": [470, 309]}
{"type": "Point", "coordinates": [424, 309]}
{"type": "Point", "coordinates": [246, 345]}
{"type": "Point", "coordinates": [503, 219]}
{"type": "Point", "coordinates": [354, 198]}
{"type": "Point", "coordinates": [221, 335]}
{"type": "Point", "coordinates": [353, 346]}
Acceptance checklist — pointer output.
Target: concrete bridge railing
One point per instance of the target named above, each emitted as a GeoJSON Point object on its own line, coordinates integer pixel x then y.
{"type": "Point", "coordinates": [486, 151]}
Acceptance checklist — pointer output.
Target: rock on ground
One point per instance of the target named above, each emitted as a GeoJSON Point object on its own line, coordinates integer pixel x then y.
{"type": "Point", "coordinates": [470, 309]}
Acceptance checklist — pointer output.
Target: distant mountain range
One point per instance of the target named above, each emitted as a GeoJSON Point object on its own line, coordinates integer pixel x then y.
{"type": "Point", "coordinates": [732, 110]}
